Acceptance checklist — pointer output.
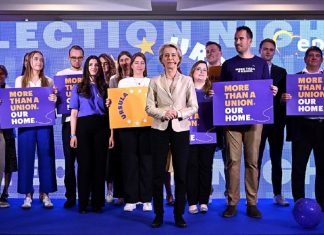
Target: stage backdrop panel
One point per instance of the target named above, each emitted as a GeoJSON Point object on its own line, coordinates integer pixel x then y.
{"type": "Point", "coordinates": [54, 38]}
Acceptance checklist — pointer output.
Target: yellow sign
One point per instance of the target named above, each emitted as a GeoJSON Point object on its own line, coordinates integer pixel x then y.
{"type": "Point", "coordinates": [127, 107]}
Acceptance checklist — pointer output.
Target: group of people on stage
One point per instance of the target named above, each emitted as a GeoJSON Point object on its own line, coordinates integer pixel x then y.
{"type": "Point", "coordinates": [133, 160]}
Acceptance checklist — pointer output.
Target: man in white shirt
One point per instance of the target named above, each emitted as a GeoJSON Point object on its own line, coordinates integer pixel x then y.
{"type": "Point", "coordinates": [76, 55]}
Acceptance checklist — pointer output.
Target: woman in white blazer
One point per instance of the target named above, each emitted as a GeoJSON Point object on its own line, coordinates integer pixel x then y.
{"type": "Point", "coordinates": [171, 100]}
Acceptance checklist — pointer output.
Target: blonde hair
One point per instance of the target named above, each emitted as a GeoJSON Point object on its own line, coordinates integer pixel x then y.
{"type": "Point", "coordinates": [162, 48]}
{"type": "Point", "coordinates": [29, 71]}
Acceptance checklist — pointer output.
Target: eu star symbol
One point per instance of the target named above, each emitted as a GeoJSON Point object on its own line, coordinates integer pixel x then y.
{"type": "Point", "coordinates": [146, 46]}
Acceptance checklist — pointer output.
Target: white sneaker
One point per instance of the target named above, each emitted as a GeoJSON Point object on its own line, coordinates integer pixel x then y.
{"type": "Point", "coordinates": [27, 203]}
{"type": "Point", "coordinates": [109, 197]}
{"type": "Point", "coordinates": [147, 206]}
{"type": "Point", "coordinates": [203, 208]}
{"type": "Point", "coordinates": [193, 209]}
{"type": "Point", "coordinates": [280, 200]}
{"type": "Point", "coordinates": [130, 207]}
{"type": "Point", "coordinates": [47, 202]}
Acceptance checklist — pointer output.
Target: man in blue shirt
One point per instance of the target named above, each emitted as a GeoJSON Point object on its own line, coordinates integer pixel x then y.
{"type": "Point", "coordinates": [244, 66]}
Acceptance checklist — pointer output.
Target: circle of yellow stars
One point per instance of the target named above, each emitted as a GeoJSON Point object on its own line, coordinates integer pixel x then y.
{"type": "Point", "coordinates": [137, 122]}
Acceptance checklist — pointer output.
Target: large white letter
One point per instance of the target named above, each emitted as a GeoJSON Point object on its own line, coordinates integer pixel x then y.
{"type": "Point", "coordinates": [49, 35]}
{"type": "Point", "coordinates": [144, 28]}
{"type": "Point", "coordinates": [89, 32]}
{"type": "Point", "coordinates": [24, 35]}
{"type": "Point", "coordinates": [113, 34]}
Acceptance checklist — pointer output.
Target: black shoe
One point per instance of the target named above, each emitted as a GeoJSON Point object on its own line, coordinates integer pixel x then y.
{"type": "Point", "coordinates": [253, 212]}
{"type": "Point", "coordinates": [4, 202]}
{"type": "Point", "coordinates": [322, 206]}
{"type": "Point", "coordinates": [180, 222]}
{"type": "Point", "coordinates": [4, 195]}
{"type": "Point", "coordinates": [230, 211]}
{"type": "Point", "coordinates": [69, 203]}
{"type": "Point", "coordinates": [97, 209]}
{"type": "Point", "coordinates": [157, 222]}
{"type": "Point", "coordinates": [83, 210]}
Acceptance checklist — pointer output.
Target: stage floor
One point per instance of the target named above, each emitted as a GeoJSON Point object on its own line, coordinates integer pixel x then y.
{"type": "Point", "coordinates": [113, 220]}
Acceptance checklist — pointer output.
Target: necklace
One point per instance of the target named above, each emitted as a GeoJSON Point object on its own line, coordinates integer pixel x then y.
{"type": "Point", "coordinates": [138, 81]}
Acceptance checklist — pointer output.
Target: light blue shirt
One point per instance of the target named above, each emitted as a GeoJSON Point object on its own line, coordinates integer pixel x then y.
{"type": "Point", "coordinates": [94, 105]}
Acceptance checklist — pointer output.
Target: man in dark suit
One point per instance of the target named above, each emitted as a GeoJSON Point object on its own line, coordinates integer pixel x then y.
{"type": "Point", "coordinates": [306, 134]}
{"type": "Point", "coordinates": [274, 132]}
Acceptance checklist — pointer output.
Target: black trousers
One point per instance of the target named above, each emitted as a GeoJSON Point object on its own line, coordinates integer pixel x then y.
{"type": "Point", "coordinates": [116, 166]}
{"type": "Point", "coordinates": [274, 133]}
{"type": "Point", "coordinates": [220, 145]}
{"type": "Point", "coordinates": [109, 167]}
{"type": "Point", "coordinates": [312, 139]}
{"type": "Point", "coordinates": [199, 173]}
{"type": "Point", "coordinates": [136, 164]}
{"type": "Point", "coordinates": [92, 134]}
{"type": "Point", "coordinates": [179, 145]}
{"type": "Point", "coordinates": [70, 159]}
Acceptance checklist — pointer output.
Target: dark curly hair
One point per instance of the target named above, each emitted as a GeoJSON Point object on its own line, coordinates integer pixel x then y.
{"type": "Point", "coordinates": [112, 66]}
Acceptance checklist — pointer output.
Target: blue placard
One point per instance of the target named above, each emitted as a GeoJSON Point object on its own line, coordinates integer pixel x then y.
{"type": "Point", "coordinates": [64, 85]}
{"type": "Point", "coordinates": [26, 107]}
{"type": "Point", "coordinates": [243, 102]}
{"type": "Point", "coordinates": [202, 130]}
{"type": "Point", "coordinates": [307, 91]}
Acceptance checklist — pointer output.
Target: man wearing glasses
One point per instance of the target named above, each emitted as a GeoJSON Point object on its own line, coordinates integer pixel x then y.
{"type": "Point", "coordinates": [76, 55]}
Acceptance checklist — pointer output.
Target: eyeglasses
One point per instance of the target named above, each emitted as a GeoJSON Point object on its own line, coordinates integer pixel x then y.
{"type": "Point", "coordinates": [76, 58]}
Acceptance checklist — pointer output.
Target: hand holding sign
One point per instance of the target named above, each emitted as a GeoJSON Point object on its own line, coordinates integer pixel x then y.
{"type": "Point", "coordinates": [64, 85]}
{"type": "Point", "coordinates": [306, 94]}
{"type": "Point", "coordinates": [27, 107]}
{"type": "Point", "coordinates": [244, 102]}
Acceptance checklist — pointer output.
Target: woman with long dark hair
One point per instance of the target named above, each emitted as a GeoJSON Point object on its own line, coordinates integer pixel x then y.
{"type": "Point", "coordinates": [8, 158]}
{"type": "Point", "coordinates": [108, 66]}
{"type": "Point", "coordinates": [109, 69]}
{"type": "Point", "coordinates": [123, 68]}
{"type": "Point", "coordinates": [25, 61]}
{"type": "Point", "coordinates": [90, 134]}
{"type": "Point", "coordinates": [123, 71]}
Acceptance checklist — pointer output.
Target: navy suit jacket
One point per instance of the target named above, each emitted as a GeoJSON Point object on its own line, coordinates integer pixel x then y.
{"type": "Point", "coordinates": [294, 126]}
{"type": "Point", "coordinates": [278, 75]}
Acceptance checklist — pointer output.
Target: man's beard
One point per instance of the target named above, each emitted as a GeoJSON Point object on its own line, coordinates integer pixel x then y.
{"type": "Point", "coordinates": [76, 68]}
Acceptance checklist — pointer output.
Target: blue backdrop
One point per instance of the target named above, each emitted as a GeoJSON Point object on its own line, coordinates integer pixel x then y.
{"type": "Point", "coordinates": [54, 39]}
